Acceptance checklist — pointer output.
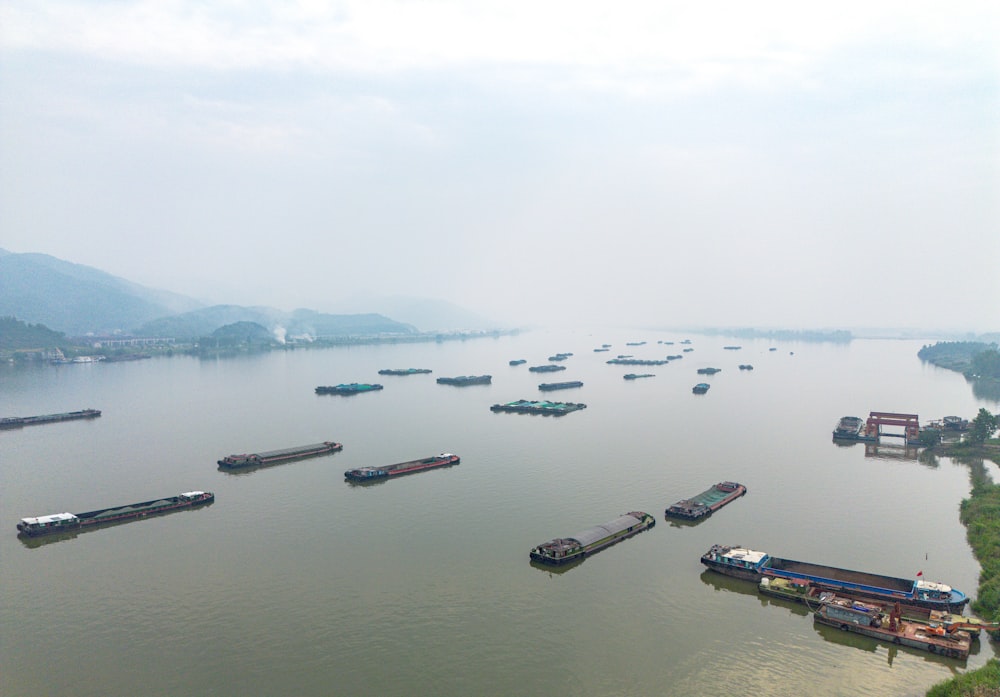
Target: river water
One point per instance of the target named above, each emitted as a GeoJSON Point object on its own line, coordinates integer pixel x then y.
{"type": "Point", "coordinates": [297, 582]}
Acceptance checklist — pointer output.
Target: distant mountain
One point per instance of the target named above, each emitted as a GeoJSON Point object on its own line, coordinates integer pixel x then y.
{"type": "Point", "coordinates": [77, 299]}
{"type": "Point", "coordinates": [307, 324]}
{"type": "Point", "coordinates": [426, 314]}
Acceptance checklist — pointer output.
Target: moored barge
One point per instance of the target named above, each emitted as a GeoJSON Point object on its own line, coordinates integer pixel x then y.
{"type": "Point", "coordinates": [707, 502]}
{"type": "Point", "coordinates": [701, 388]}
{"type": "Point", "coordinates": [463, 380]}
{"type": "Point", "coordinates": [546, 368]}
{"type": "Point", "coordinates": [275, 456]}
{"type": "Point", "coordinates": [564, 550]}
{"type": "Point", "coordinates": [636, 376]}
{"type": "Point", "coordinates": [348, 389]}
{"type": "Point", "coordinates": [19, 421]}
{"type": "Point", "coordinates": [367, 474]}
{"type": "Point", "coordinates": [874, 621]}
{"type": "Point", "coordinates": [404, 371]}
{"type": "Point", "coordinates": [849, 428]}
{"type": "Point", "coordinates": [60, 522]}
{"type": "Point", "coordinates": [752, 565]}
{"type": "Point", "coordinates": [525, 406]}
{"type": "Point", "coordinates": [549, 386]}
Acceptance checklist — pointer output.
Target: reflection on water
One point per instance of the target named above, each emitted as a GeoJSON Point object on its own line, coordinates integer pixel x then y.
{"type": "Point", "coordinates": [557, 569]}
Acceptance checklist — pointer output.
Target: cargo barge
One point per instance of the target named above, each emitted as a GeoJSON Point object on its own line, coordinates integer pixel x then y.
{"type": "Point", "coordinates": [805, 592]}
{"type": "Point", "coordinates": [404, 371]}
{"type": "Point", "coordinates": [636, 361]}
{"type": "Point", "coordinates": [525, 406]}
{"type": "Point", "coordinates": [564, 550]}
{"type": "Point", "coordinates": [272, 457]}
{"type": "Point", "coordinates": [636, 376]}
{"type": "Point", "coordinates": [60, 522]}
{"type": "Point", "coordinates": [546, 368]}
{"type": "Point", "coordinates": [367, 474]}
{"type": "Point", "coordinates": [348, 389]}
{"type": "Point", "coordinates": [19, 421]}
{"type": "Point", "coordinates": [709, 371]}
{"type": "Point", "coordinates": [549, 386]}
{"type": "Point", "coordinates": [751, 565]}
{"type": "Point", "coordinates": [517, 361]}
{"type": "Point", "coordinates": [849, 428]}
{"type": "Point", "coordinates": [707, 502]}
{"type": "Point", "coordinates": [701, 388]}
{"type": "Point", "coordinates": [463, 380]}
{"type": "Point", "coordinates": [873, 621]}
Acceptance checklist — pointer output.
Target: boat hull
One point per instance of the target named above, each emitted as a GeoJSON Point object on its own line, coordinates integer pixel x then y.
{"type": "Point", "coordinates": [279, 456]}
{"type": "Point", "coordinates": [909, 634]}
{"type": "Point", "coordinates": [133, 511]}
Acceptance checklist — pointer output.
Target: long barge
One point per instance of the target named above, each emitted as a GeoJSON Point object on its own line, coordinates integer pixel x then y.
{"type": "Point", "coordinates": [564, 550]}
{"type": "Point", "coordinates": [549, 386]}
{"type": "Point", "coordinates": [707, 502]}
{"type": "Point", "coordinates": [19, 421]}
{"type": "Point", "coordinates": [348, 388]}
{"type": "Point", "coordinates": [367, 474]}
{"type": "Point", "coordinates": [272, 457]}
{"type": "Point", "coordinates": [804, 592]}
{"type": "Point", "coordinates": [752, 565]}
{"type": "Point", "coordinates": [873, 621]}
{"type": "Point", "coordinates": [463, 380]}
{"type": "Point", "coordinates": [526, 406]}
{"type": "Point", "coordinates": [404, 371]}
{"type": "Point", "coordinates": [546, 368]}
{"type": "Point", "coordinates": [60, 522]}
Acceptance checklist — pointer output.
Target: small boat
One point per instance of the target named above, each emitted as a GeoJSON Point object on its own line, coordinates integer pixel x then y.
{"type": "Point", "coordinates": [403, 371]}
{"type": "Point", "coordinates": [560, 356]}
{"type": "Point", "coordinates": [525, 406]}
{"type": "Point", "coordinates": [60, 522]}
{"type": "Point", "coordinates": [732, 348]}
{"type": "Point", "coordinates": [700, 388]}
{"type": "Point", "coordinates": [746, 366]}
{"type": "Point", "coordinates": [636, 376]}
{"type": "Point", "coordinates": [348, 389]}
{"type": "Point", "coordinates": [366, 474]}
{"type": "Point", "coordinates": [518, 361]}
{"type": "Point", "coordinates": [849, 427]}
{"type": "Point", "coordinates": [549, 386]}
{"type": "Point", "coordinates": [463, 380]}
{"type": "Point", "coordinates": [564, 550]}
{"type": "Point", "coordinates": [275, 456]}
{"type": "Point", "coordinates": [707, 502]}
{"type": "Point", "coordinates": [709, 371]}
{"type": "Point", "coordinates": [751, 565]}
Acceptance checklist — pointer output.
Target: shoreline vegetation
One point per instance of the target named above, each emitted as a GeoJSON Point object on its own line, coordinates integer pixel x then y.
{"type": "Point", "coordinates": [26, 343]}
{"type": "Point", "coordinates": [980, 513]}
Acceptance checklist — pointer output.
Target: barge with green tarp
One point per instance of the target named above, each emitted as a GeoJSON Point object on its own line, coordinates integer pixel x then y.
{"type": "Point", "coordinates": [59, 522]}
{"type": "Point", "coordinates": [707, 502]}
{"type": "Point", "coordinates": [549, 386]}
{"type": "Point", "coordinates": [564, 550]}
{"type": "Point", "coordinates": [463, 380]}
{"type": "Point", "coordinates": [404, 371]}
{"type": "Point", "coordinates": [348, 388]}
{"type": "Point", "coordinates": [273, 457]}
{"type": "Point", "coordinates": [527, 406]}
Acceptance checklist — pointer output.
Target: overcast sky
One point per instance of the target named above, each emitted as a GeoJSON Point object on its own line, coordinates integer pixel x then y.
{"type": "Point", "coordinates": [762, 164]}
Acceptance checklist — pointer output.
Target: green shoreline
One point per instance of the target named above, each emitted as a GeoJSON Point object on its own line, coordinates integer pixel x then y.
{"type": "Point", "coordinates": [980, 513]}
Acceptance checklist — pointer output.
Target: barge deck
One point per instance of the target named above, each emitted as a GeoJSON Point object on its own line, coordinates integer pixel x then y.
{"type": "Point", "coordinates": [525, 406]}
{"type": "Point", "coordinates": [707, 502]}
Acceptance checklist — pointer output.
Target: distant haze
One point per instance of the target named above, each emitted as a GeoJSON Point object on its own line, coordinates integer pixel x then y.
{"type": "Point", "coordinates": [769, 164]}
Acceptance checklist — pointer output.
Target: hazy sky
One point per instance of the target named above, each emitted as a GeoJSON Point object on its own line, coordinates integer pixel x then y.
{"type": "Point", "coordinates": [780, 164]}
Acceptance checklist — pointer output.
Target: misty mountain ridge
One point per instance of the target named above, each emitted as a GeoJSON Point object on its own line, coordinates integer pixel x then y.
{"type": "Point", "coordinates": [80, 300]}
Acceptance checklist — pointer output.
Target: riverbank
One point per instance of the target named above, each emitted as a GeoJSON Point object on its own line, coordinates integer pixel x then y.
{"type": "Point", "coordinates": [980, 513]}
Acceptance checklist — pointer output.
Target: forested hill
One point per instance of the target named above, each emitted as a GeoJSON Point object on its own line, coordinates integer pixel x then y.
{"type": "Point", "coordinates": [971, 358]}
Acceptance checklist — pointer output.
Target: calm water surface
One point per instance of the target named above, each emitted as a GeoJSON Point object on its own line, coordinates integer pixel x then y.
{"type": "Point", "coordinates": [296, 582]}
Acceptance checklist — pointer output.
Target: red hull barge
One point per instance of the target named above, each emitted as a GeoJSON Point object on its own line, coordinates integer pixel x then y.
{"type": "Point", "coordinates": [367, 474]}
